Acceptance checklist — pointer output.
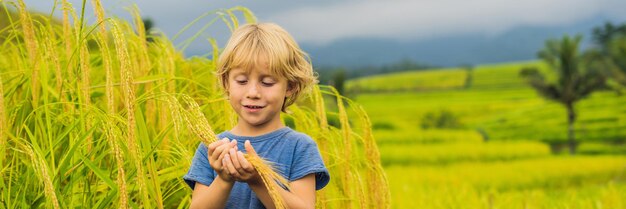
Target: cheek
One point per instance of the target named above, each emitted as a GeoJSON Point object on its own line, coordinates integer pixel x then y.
{"type": "Point", "coordinates": [277, 93]}
{"type": "Point", "coordinates": [234, 94]}
{"type": "Point", "coordinates": [233, 89]}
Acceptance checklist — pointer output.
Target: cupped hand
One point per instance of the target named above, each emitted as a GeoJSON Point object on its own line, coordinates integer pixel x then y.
{"type": "Point", "coordinates": [217, 151]}
{"type": "Point", "coordinates": [240, 168]}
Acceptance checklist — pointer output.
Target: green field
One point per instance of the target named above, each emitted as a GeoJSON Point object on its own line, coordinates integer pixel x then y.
{"type": "Point", "coordinates": [499, 145]}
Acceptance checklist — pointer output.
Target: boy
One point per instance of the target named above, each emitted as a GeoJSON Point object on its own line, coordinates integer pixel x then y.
{"type": "Point", "coordinates": [263, 71]}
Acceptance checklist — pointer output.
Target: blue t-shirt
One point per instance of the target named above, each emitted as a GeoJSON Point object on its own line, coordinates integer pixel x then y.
{"type": "Point", "coordinates": [294, 154]}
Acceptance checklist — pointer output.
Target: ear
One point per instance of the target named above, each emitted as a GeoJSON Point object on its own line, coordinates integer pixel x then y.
{"type": "Point", "coordinates": [226, 92]}
{"type": "Point", "coordinates": [290, 89]}
{"type": "Point", "coordinates": [225, 85]}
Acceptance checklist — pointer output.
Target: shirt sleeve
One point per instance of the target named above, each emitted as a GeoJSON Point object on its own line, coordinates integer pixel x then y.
{"type": "Point", "coordinates": [307, 160]}
{"type": "Point", "coordinates": [200, 170]}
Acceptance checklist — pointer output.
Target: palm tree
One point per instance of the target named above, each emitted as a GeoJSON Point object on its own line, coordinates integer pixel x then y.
{"type": "Point", "coordinates": [611, 41]}
{"type": "Point", "coordinates": [577, 77]}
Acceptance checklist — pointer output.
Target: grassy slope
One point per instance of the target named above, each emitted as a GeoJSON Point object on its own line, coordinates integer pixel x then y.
{"type": "Point", "coordinates": [498, 102]}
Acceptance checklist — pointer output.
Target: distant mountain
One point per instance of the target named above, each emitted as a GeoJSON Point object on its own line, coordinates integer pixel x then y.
{"type": "Point", "coordinates": [520, 43]}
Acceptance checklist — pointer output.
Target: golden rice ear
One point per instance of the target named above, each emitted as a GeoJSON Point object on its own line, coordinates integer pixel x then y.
{"type": "Point", "coordinates": [271, 178]}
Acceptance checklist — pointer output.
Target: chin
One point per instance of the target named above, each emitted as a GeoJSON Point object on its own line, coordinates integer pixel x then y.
{"type": "Point", "coordinates": [256, 122]}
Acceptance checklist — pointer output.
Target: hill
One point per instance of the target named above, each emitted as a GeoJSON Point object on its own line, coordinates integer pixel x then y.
{"type": "Point", "coordinates": [494, 103]}
{"type": "Point", "coordinates": [482, 138]}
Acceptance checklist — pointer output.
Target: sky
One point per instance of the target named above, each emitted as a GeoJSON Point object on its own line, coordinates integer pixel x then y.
{"type": "Point", "coordinates": [324, 21]}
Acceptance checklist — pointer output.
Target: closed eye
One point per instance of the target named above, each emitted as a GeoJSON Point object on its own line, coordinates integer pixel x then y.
{"type": "Point", "coordinates": [241, 82]}
{"type": "Point", "coordinates": [268, 84]}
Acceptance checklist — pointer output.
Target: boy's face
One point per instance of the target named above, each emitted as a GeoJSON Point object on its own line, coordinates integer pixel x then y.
{"type": "Point", "coordinates": [257, 96]}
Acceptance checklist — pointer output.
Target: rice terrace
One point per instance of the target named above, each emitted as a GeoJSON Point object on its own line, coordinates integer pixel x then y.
{"type": "Point", "coordinates": [101, 112]}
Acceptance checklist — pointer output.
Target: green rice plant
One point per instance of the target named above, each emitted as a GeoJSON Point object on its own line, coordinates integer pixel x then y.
{"type": "Point", "coordinates": [441, 154]}
{"type": "Point", "coordinates": [428, 136]}
{"type": "Point", "coordinates": [441, 79]}
{"type": "Point", "coordinates": [546, 182]}
{"type": "Point", "coordinates": [95, 116]}
{"type": "Point", "coordinates": [600, 196]}
{"type": "Point", "coordinates": [592, 148]}
{"type": "Point", "coordinates": [361, 164]}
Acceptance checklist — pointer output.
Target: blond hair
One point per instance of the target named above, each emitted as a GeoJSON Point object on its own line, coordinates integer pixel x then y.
{"type": "Point", "coordinates": [285, 58]}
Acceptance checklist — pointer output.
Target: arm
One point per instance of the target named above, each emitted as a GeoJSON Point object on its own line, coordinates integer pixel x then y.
{"type": "Point", "coordinates": [212, 196]}
{"type": "Point", "coordinates": [216, 194]}
{"type": "Point", "coordinates": [302, 194]}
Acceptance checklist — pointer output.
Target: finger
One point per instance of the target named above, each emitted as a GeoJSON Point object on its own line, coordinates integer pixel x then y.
{"type": "Point", "coordinates": [223, 168]}
{"type": "Point", "coordinates": [227, 147]}
{"type": "Point", "coordinates": [233, 143]}
{"type": "Point", "coordinates": [249, 149]}
{"type": "Point", "coordinates": [214, 145]}
{"type": "Point", "coordinates": [212, 153]}
{"type": "Point", "coordinates": [229, 166]}
{"type": "Point", "coordinates": [244, 163]}
{"type": "Point", "coordinates": [223, 150]}
{"type": "Point", "coordinates": [219, 153]}
{"type": "Point", "coordinates": [234, 159]}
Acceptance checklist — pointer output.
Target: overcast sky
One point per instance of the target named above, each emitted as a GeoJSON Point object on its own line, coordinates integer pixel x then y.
{"type": "Point", "coordinates": [323, 21]}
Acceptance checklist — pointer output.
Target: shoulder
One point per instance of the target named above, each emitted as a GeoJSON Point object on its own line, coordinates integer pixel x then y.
{"type": "Point", "coordinates": [299, 138]}
{"type": "Point", "coordinates": [302, 143]}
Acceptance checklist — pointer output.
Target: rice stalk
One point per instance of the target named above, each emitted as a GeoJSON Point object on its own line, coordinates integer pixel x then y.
{"type": "Point", "coordinates": [85, 71]}
{"type": "Point", "coordinates": [3, 123]}
{"type": "Point", "coordinates": [31, 48]}
{"type": "Point", "coordinates": [129, 102]}
{"type": "Point", "coordinates": [67, 31]}
{"type": "Point", "coordinates": [347, 144]}
{"type": "Point", "coordinates": [197, 122]}
{"type": "Point", "coordinates": [141, 43]}
{"type": "Point", "coordinates": [106, 63]}
{"type": "Point", "coordinates": [99, 11]}
{"type": "Point", "coordinates": [102, 40]}
{"type": "Point", "coordinates": [167, 67]}
{"type": "Point", "coordinates": [377, 178]}
{"type": "Point", "coordinates": [42, 171]}
{"type": "Point", "coordinates": [323, 141]}
{"type": "Point", "coordinates": [67, 40]}
{"type": "Point", "coordinates": [28, 30]}
{"type": "Point", "coordinates": [112, 134]}
{"type": "Point", "coordinates": [141, 52]}
{"type": "Point", "coordinates": [176, 113]}
{"type": "Point", "coordinates": [376, 175]}
{"type": "Point", "coordinates": [270, 178]}
{"type": "Point", "coordinates": [54, 57]}
{"type": "Point", "coordinates": [84, 87]}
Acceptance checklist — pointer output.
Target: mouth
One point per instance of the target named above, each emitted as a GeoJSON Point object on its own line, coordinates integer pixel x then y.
{"type": "Point", "coordinates": [253, 107]}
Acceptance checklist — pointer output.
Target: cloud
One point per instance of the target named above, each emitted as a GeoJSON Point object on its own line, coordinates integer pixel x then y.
{"type": "Point", "coordinates": [324, 21]}
{"type": "Point", "coordinates": [415, 19]}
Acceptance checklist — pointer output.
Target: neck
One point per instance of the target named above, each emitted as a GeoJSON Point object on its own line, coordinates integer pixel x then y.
{"type": "Point", "coordinates": [244, 129]}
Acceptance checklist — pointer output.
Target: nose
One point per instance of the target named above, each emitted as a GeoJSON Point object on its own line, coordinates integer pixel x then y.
{"type": "Point", "coordinates": [253, 91]}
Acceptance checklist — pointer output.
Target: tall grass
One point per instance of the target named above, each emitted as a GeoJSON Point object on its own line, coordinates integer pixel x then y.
{"type": "Point", "coordinates": [95, 116]}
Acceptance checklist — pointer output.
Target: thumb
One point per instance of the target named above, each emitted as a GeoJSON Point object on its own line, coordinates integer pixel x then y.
{"type": "Point", "coordinates": [249, 149]}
